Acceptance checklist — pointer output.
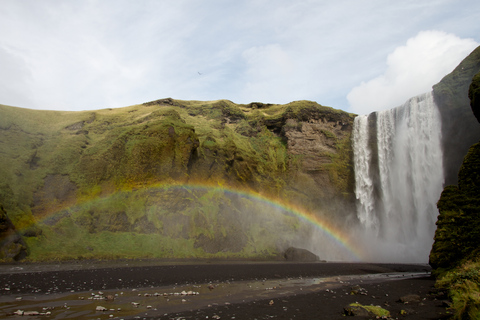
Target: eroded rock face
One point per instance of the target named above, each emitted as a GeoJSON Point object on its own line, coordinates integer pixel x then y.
{"type": "Point", "coordinates": [314, 140]}
{"type": "Point", "coordinates": [12, 245]}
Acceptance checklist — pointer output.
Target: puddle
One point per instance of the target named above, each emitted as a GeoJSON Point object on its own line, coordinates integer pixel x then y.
{"type": "Point", "coordinates": [158, 301]}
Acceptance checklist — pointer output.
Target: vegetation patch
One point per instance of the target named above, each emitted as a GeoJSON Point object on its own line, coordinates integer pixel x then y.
{"type": "Point", "coordinates": [463, 286]}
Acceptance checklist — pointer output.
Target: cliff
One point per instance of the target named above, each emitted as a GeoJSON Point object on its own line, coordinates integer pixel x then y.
{"type": "Point", "coordinates": [172, 178]}
{"type": "Point", "coordinates": [459, 129]}
{"type": "Point", "coordinates": [456, 250]}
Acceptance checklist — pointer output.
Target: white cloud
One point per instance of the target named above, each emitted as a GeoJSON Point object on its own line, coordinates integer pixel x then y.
{"type": "Point", "coordinates": [412, 69]}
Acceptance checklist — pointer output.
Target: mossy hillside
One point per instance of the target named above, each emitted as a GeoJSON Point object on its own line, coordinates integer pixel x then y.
{"type": "Point", "coordinates": [86, 155]}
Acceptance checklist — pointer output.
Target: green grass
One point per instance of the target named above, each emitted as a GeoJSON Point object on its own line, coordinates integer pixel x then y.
{"type": "Point", "coordinates": [463, 286]}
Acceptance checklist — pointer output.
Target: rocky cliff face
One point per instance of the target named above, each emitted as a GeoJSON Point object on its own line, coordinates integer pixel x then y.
{"type": "Point", "coordinates": [457, 237]}
{"type": "Point", "coordinates": [173, 178]}
{"type": "Point", "coordinates": [459, 129]}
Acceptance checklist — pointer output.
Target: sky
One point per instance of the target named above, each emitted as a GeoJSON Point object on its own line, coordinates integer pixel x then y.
{"type": "Point", "coordinates": [358, 56]}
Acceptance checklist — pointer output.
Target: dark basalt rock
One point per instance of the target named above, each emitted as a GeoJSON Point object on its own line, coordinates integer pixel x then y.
{"type": "Point", "coordinates": [474, 95]}
{"type": "Point", "coordinates": [300, 255]}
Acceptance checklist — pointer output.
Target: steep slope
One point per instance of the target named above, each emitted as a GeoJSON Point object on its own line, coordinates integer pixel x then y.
{"type": "Point", "coordinates": [459, 129]}
{"type": "Point", "coordinates": [172, 178]}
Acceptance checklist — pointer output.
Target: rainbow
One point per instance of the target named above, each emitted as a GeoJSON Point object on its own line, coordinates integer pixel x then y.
{"type": "Point", "coordinates": [337, 236]}
{"type": "Point", "coordinates": [333, 233]}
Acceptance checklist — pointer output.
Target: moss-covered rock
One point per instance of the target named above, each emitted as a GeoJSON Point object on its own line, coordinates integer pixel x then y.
{"type": "Point", "coordinates": [474, 95]}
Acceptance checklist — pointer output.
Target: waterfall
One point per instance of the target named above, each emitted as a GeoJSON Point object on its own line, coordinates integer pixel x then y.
{"type": "Point", "coordinates": [399, 178]}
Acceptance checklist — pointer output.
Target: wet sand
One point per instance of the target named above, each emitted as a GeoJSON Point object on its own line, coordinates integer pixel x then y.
{"type": "Point", "coordinates": [227, 290]}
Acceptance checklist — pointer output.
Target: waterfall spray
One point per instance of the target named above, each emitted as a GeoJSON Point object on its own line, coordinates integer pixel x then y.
{"type": "Point", "coordinates": [399, 178]}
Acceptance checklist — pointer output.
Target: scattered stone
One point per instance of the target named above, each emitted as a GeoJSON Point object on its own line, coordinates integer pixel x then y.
{"type": "Point", "coordinates": [271, 302]}
{"type": "Point", "coordinates": [358, 290]}
{"type": "Point", "coordinates": [100, 308]}
{"type": "Point", "coordinates": [410, 298]}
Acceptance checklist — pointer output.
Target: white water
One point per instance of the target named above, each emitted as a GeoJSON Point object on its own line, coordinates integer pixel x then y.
{"type": "Point", "coordinates": [364, 182]}
{"type": "Point", "coordinates": [396, 198]}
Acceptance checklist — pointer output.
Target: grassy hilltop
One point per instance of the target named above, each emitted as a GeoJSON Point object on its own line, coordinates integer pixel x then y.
{"type": "Point", "coordinates": [113, 183]}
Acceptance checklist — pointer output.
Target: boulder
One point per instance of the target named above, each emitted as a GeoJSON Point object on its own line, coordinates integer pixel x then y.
{"type": "Point", "coordinates": [301, 255]}
{"type": "Point", "coordinates": [410, 298]}
{"type": "Point", "coordinates": [357, 311]}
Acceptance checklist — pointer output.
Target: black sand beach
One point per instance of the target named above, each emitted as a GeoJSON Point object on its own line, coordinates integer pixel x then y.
{"type": "Point", "coordinates": [227, 290]}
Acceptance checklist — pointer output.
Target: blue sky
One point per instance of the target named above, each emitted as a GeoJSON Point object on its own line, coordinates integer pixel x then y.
{"type": "Point", "coordinates": [359, 56]}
